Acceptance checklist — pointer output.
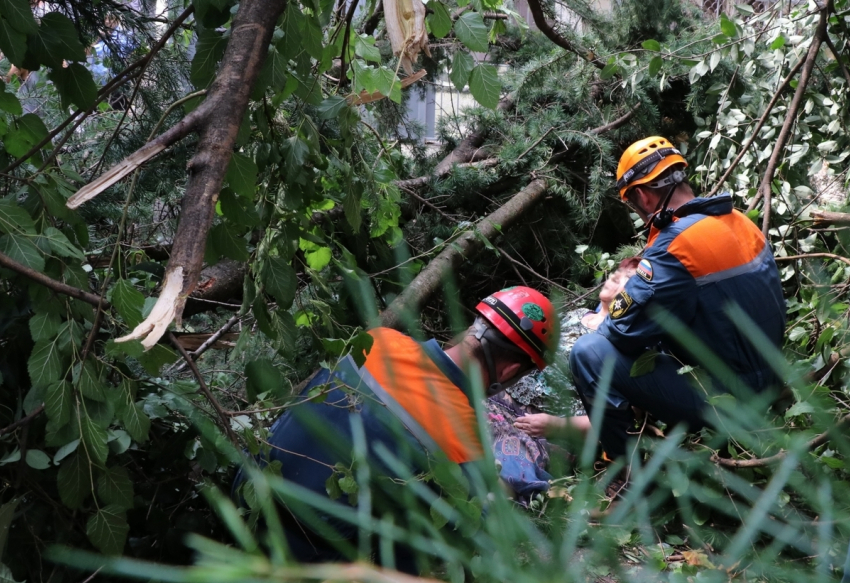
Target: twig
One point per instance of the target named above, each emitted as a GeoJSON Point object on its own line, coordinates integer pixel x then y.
{"type": "Point", "coordinates": [107, 89]}
{"type": "Point", "coordinates": [790, 118]}
{"type": "Point", "coordinates": [205, 389]}
{"type": "Point", "coordinates": [215, 337]}
{"type": "Point", "coordinates": [57, 286]}
{"type": "Point", "coordinates": [838, 57]}
{"type": "Point", "coordinates": [760, 462]}
{"type": "Point", "coordinates": [36, 412]}
{"type": "Point", "coordinates": [808, 255]}
{"type": "Point", "coordinates": [530, 270]}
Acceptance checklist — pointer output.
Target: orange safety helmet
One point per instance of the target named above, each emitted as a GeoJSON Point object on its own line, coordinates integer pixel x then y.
{"type": "Point", "coordinates": [645, 160]}
{"type": "Point", "coordinates": [526, 318]}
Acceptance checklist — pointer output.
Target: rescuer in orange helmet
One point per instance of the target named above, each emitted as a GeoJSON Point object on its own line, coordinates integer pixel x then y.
{"type": "Point", "coordinates": [413, 402]}
{"type": "Point", "coordinates": [703, 259]}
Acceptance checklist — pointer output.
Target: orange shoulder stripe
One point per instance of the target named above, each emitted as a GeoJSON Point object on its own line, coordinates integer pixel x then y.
{"type": "Point", "coordinates": [716, 244]}
{"type": "Point", "coordinates": [405, 371]}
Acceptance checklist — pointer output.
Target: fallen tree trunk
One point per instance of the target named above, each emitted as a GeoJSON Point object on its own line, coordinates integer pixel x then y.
{"type": "Point", "coordinates": [216, 121]}
{"type": "Point", "coordinates": [468, 147]}
{"type": "Point", "coordinates": [468, 245]}
{"type": "Point", "coordinates": [824, 218]}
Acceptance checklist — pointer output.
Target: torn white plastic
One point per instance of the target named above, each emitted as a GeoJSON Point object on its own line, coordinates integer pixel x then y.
{"type": "Point", "coordinates": [156, 324]}
{"type": "Point", "coordinates": [405, 22]}
{"type": "Point", "coordinates": [114, 174]}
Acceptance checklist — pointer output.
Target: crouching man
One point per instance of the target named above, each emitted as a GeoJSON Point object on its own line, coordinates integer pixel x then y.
{"type": "Point", "coordinates": [413, 406]}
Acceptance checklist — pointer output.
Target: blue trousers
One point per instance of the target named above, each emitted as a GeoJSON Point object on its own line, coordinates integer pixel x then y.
{"type": "Point", "coordinates": [663, 393]}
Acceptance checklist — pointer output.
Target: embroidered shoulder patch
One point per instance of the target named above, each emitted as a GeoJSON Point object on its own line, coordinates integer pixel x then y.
{"type": "Point", "coordinates": [621, 304]}
{"type": "Point", "coordinates": [644, 269]}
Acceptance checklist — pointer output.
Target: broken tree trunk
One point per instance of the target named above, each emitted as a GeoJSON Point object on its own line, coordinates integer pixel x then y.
{"type": "Point", "coordinates": [216, 122]}
{"type": "Point", "coordinates": [823, 218]}
{"type": "Point", "coordinates": [468, 245]}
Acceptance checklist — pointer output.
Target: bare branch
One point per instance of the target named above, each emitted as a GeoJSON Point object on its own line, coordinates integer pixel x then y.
{"type": "Point", "coordinates": [57, 286]}
{"type": "Point", "coordinates": [23, 421]}
{"type": "Point", "coordinates": [809, 255]}
{"type": "Point", "coordinates": [765, 114]}
{"type": "Point", "coordinates": [463, 247]}
{"type": "Point", "coordinates": [790, 118]}
{"type": "Point", "coordinates": [555, 37]}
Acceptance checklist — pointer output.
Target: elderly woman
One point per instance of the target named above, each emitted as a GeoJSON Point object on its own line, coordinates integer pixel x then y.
{"type": "Point", "coordinates": [519, 432]}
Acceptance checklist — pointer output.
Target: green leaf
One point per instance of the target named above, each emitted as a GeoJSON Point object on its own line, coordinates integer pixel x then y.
{"type": "Point", "coordinates": [94, 439]}
{"type": "Point", "coordinates": [58, 403]}
{"type": "Point", "coordinates": [135, 422]}
{"type": "Point", "coordinates": [208, 53]}
{"type": "Point", "coordinates": [13, 44]}
{"type": "Point", "coordinates": [462, 65]}
{"type": "Point", "coordinates": [44, 326]}
{"type": "Point", "coordinates": [37, 459]}
{"type": "Point", "coordinates": [651, 45]}
{"type": "Point", "coordinates": [472, 32]}
{"type": "Point", "coordinates": [440, 21]}
{"type": "Point", "coordinates": [318, 258]}
{"type": "Point", "coordinates": [22, 250]}
{"type": "Point", "coordinates": [115, 487]}
{"type": "Point", "coordinates": [280, 280]}
{"type": "Point", "coordinates": [14, 219]}
{"type": "Point", "coordinates": [237, 209]}
{"type": "Point", "coordinates": [366, 50]}
{"type": "Point", "coordinates": [242, 175]}
{"type": "Point", "coordinates": [129, 302]}
{"type": "Point", "coordinates": [65, 451]}
{"type": "Point", "coordinates": [262, 377]}
{"type": "Point", "coordinates": [331, 107]}
{"type": "Point", "coordinates": [801, 408]}
{"type": "Point", "coordinates": [28, 131]}
{"type": "Point", "coordinates": [74, 480]}
{"type": "Point", "coordinates": [484, 85]}
{"type": "Point", "coordinates": [10, 103]}
{"type": "Point", "coordinates": [609, 71]}
{"type": "Point", "coordinates": [59, 244]}
{"type": "Point", "coordinates": [227, 242]}
{"type": "Point", "coordinates": [45, 364]}
{"type": "Point", "coordinates": [19, 15]}
{"type": "Point", "coordinates": [728, 27]}
{"type": "Point", "coordinates": [745, 9]}
{"type": "Point", "coordinates": [644, 364]}
{"type": "Point", "coordinates": [655, 66]}
{"type": "Point", "coordinates": [75, 85]}
{"type": "Point", "coordinates": [778, 43]}
{"type": "Point", "coordinates": [387, 82]}
{"type": "Point", "coordinates": [89, 382]}
{"type": "Point", "coordinates": [58, 41]}
{"type": "Point", "coordinates": [437, 517]}
{"type": "Point", "coordinates": [108, 529]}
{"type": "Point", "coordinates": [157, 357]}
{"type": "Point", "coordinates": [351, 207]}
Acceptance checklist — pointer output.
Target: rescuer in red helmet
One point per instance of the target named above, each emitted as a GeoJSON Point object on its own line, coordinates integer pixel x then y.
{"type": "Point", "coordinates": [411, 402]}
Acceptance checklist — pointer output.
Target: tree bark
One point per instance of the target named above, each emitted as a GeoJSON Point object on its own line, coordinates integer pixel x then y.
{"type": "Point", "coordinates": [822, 218]}
{"type": "Point", "coordinates": [57, 286]}
{"type": "Point", "coordinates": [218, 283]}
{"type": "Point", "coordinates": [466, 246]}
{"type": "Point", "coordinates": [216, 121]}
{"type": "Point", "coordinates": [467, 148]}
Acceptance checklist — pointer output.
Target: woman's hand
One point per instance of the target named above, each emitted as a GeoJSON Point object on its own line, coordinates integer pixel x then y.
{"type": "Point", "coordinates": [538, 424]}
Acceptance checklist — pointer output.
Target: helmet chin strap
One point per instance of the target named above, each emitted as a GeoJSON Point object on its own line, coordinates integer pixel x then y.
{"type": "Point", "coordinates": [479, 331]}
{"type": "Point", "coordinates": [487, 336]}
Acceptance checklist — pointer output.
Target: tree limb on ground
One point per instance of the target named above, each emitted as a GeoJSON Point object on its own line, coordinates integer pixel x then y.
{"type": "Point", "coordinates": [464, 247]}
{"type": "Point", "coordinates": [760, 462]}
{"type": "Point", "coordinates": [216, 122]}
{"type": "Point", "coordinates": [824, 218]}
{"type": "Point", "coordinates": [790, 118]}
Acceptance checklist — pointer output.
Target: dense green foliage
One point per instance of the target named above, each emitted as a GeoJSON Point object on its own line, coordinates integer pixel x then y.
{"type": "Point", "coordinates": [109, 448]}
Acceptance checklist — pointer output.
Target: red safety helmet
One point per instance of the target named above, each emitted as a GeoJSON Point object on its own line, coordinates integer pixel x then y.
{"type": "Point", "coordinates": [526, 318]}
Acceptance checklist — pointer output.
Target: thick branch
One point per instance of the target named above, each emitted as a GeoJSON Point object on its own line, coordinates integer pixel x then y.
{"type": "Point", "coordinates": [421, 181]}
{"type": "Point", "coordinates": [468, 146]}
{"type": "Point", "coordinates": [555, 37]}
{"type": "Point", "coordinates": [466, 246]}
{"type": "Point", "coordinates": [57, 286]}
{"type": "Point", "coordinates": [761, 121]}
{"type": "Point", "coordinates": [217, 121]}
{"type": "Point", "coordinates": [790, 118]}
{"type": "Point", "coordinates": [822, 218]}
